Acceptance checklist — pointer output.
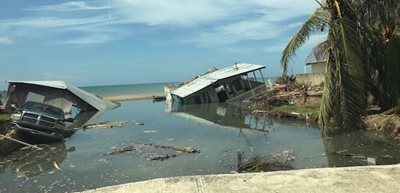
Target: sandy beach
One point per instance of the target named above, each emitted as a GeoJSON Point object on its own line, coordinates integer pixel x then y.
{"type": "Point", "coordinates": [133, 97]}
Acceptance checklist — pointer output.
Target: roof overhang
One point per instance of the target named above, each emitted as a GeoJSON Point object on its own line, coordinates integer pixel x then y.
{"type": "Point", "coordinates": [316, 62]}
{"type": "Point", "coordinates": [93, 100]}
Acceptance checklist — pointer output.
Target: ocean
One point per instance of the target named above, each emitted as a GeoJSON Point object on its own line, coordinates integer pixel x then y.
{"type": "Point", "coordinates": [127, 89]}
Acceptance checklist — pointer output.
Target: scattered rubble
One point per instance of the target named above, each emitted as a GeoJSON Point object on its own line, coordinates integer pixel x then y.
{"type": "Point", "coordinates": [105, 124]}
{"type": "Point", "coordinates": [139, 148]}
{"type": "Point", "coordinates": [159, 157]}
{"type": "Point", "coordinates": [280, 161]}
{"type": "Point", "coordinates": [290, 100]}
{"type": "Point", "coordinates": [388, 125]}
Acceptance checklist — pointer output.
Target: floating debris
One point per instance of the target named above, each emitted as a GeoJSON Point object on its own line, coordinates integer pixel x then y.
{"type": "Point", "coordinates": [138, 123]}
{"type": "Point", "coordinates": [280, 161]}
{"type": "Point", "coordinates": [159, 157]}
{"type": "Point", "coordinates": [177, 149]}
{"type": "Point", "coordinates": [150, 131]}
{"type": "Point", "coordinates": [105, 124]}
{"type": "Point", "coordinates": [138, 148]}
{"type": "Point", "coordinates": [56, 166]}
{"type": "Point", "coordinates": [132, 148]}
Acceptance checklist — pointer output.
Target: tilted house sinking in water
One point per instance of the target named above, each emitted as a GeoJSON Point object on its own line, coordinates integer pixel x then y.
{"type": "Point", "coordinates": [59, 94]}
{"type": "Point", "coordinates": [237, 82]}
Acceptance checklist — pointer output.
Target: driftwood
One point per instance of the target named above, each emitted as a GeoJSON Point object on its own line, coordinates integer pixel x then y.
{"type": "Point", "coordinates": [158, 157]}
{"type": "Point", "coordinates": [21, 142]}
{"type": "Point", "coordinates": [261, 164]}
{"type": "Point", "coordinates": [105, 124]}
{"type": "Point", "coordinates": [139, 147]}
{"type": "Point", "coordinates": [177, 149]}
{"type": "Point", "coordinates": [125, 149]}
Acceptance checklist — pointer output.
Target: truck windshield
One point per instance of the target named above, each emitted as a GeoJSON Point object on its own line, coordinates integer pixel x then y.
{"type": "Point", "coordinates": [43, 108]}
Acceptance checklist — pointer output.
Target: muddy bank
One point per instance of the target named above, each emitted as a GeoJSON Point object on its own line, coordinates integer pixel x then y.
{"type": "Point", "coordinates": [386, 125]}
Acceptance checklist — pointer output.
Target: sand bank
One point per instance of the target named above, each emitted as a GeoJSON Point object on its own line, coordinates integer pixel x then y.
{"type": "Point", "coordinates": [133, 96]}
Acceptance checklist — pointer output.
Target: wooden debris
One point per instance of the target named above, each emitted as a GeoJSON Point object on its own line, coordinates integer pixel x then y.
{"type": "Point", "coordinates": [132, 148]}
{"type": "Point", "coordinates": [56, 166]}
{"type": "Point", "coordinates": [159, 157]}
{"type": "Point", "coordinates": [140, 147]}
{"type": "Point", "coordinates": [105, 124]}
{"type": "Point", "coordinates": [261, 164]}
{"type": "Point", "coordinates": [177, 149]}
{"type": "Point", "coordinates": [21, 142]}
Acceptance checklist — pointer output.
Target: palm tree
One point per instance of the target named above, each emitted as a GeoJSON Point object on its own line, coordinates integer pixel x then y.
{"type": "Point", "coordinates": [356, 59]}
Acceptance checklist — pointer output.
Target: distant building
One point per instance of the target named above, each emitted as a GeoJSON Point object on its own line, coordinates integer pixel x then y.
{"type": "Point", "coordinates": [316, 76]}
{"type": "Point", "coordinates": [317, 67]}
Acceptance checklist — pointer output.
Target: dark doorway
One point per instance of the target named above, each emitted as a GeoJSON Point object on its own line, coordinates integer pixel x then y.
{"type": "Point", "coordinates": [222, 96]}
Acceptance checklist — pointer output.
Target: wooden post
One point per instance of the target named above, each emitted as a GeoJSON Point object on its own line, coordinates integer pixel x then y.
{"type": "Point", "coordinates": [21, 142]}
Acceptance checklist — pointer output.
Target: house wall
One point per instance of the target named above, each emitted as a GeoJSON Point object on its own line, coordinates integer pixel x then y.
{"type": "Point", "coordinates": [310, 79]}
{"type": "Point", "coordinates": [318, 68]}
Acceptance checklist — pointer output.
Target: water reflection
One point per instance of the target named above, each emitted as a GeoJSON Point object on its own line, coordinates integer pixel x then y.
{"type": "Point", "coordinates": [29, 162]}
{"type": "Point", "coordinates": [359, 148]}
{"type": "Point", "coordinates": [224, 114]}
{"type": "Point", "coordinates": [342, 149]}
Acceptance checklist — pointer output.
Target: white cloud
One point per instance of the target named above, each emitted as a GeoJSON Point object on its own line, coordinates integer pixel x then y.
{"type": "Point", "coordinates": [69, 6]}
{"type": "Point", "coordinates": [237, 32]}
{"type": "Point", "coordinates": [211, 22]}
{"type": "Point", "coordinates": [51, 22]}
{"type": "Point", "coordinates": [5, 40]}
{"type": "Point", "coordinates": [176, 12]}
{"type": "Point", "coordinates": [88, 40]}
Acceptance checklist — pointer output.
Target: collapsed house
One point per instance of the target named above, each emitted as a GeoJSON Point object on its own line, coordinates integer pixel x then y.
{"type": "Point", "coordinates": [234, 83]}
{"type": "Point", "coordinates": [72, 100]}
{"type": "Point", "coordinates": [56, 93]}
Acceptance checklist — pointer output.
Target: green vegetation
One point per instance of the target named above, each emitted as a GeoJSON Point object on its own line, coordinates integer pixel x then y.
{"type": "Point", "coordinates": [361, 54]}
{"type": "Point", "coordinates": [4, 117]}
{"type": "Point", "coordinates": [298, 109]}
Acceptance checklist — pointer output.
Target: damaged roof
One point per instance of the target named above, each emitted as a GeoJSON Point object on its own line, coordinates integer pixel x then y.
{"type": "Point", "coordinates": [93, 100]}
{"type": "Point", "coordinates": [206, 80]}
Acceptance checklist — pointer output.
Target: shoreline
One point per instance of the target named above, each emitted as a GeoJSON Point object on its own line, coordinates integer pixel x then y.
{"type": "Point", "coordinates": [129, 97]}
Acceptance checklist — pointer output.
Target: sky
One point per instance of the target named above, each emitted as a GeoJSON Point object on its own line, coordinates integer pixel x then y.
{"type": "Point", "coordinates": [108, 42]}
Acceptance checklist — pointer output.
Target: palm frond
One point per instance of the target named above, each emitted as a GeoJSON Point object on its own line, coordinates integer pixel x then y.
{"type": "Point", "coordinates": [319, 52]}
{"type": "Point", "coordinates": [315, 22]}
{"type": "Point", "coordinates": [351, 67]}
{"type": "Point", "coordinates": [329, 97]}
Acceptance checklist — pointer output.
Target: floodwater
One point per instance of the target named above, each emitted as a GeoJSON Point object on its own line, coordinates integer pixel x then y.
{"type": "Point", "coordinates": [219, 131]}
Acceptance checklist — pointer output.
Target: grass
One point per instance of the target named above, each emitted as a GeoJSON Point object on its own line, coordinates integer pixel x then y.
{"type": "Point", "coordinates": [299, 109]}
{"type": "Point", "coordinates": [4, 117]}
